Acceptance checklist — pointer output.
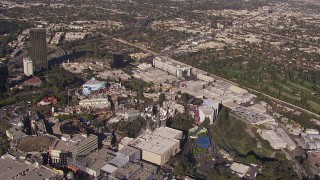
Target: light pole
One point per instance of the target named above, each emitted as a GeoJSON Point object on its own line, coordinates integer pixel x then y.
{"type": "Point", "coordinates": [68, 96]}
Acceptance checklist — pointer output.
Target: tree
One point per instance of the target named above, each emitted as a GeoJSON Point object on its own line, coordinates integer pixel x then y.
{"type": "Point", "coordinates": [90, 117]}
{"type": "Point", "coordinates": [206, 123]}
{"type": "Point", "coordinates": [182, 122]}
{"type": "Point", "coordinates": [162, 97]}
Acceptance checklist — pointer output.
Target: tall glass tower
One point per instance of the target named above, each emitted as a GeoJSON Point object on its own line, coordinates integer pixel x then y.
{"type": "Point", "coordinates": [38, 49]}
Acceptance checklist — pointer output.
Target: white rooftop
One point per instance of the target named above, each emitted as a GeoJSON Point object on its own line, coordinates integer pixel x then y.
{"type": "Point", "coordinates": [206, 110]}
{"type": "Point", "coordinates": [167, 132]}
{"type": "Point", "coordinates": [240, 169]}
{"type": "Point", "coordinates": [153, 143]}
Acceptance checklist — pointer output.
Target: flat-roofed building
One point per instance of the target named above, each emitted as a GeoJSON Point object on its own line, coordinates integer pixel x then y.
{"type": "Point", "coordinates": [92, 163]}
{"type": "Point", "coordinates": [311, 141]}
{"type": "Point", "coordinates": [169, 133]}
{"type": "Point", "coordinates": [312, 131]}
{"type": "Point", "coordinates": [95, 102]}
{"type": "Point", "coordinates": [274, 139]}
{"type": "Point", "coordinates": [291, 145]}
{"type": "Point", "coordinates": [238, 90]}
{"type": "Point", "coordinates": [12, 169]}
{"type": "Point", "coordinates": [157, 147]}
{"type": "Point", "coordinates": [205, 78]}
{"type": "Point", "coordinates": [72, 147]}
{"type": "Point", "coordinates": [194, 85]}
{"type": "Point", "coordinates": [134, 170]}
{"type": "Point", "coordinates": [240, 169]}
{"type": "Point", "coordinates": [27, 66]}
{"type": "Point", "coordinates": [124, 142]}
{"type": "Point", "coordinates": [171, 66]}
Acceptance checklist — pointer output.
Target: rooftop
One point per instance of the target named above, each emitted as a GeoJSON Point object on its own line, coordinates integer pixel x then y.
{"type": "Point", "coordinates": [153, 143]}
{"type": "Point", "coordinates": [10, 168]}
{"type": "Point", "coordinates": [75, 141]}
{"type": "Point", "coordinates": [135, 170]}
{"type": "Point", "coordinates": [240, 169]}
{"type": "Point", "coordinates": [171, 62]}
{"type": "Point", "coordinates": [167, 132]}
{"type": "Point", "coordinates": [34, 80]}
{"type": "Point", "coordinates": [206, 110]}
{"type": "Point", "coordinates": [96, 160]}
{"type": "Point", "coordinates": [93, 81]}
{"type": "Point", "coordinates": [274, 136]}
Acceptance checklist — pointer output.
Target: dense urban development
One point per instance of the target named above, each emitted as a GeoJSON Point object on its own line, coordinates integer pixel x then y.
{"type": "Point", "coordinates": [170, 89]}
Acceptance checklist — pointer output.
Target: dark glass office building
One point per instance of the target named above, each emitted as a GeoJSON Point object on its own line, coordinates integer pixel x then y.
{"type": "Point", "coordinates": [38, 49]}
{"type": "Point", "coordinates": [4, 76]}
{"type": "Point", "coordinates": [117, 60]}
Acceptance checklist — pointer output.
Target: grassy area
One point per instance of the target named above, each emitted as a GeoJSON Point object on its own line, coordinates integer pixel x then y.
{"type": "Point", "coordinates": [231, 135]}
{"type": "Point", "coordinates": [300, 87]}
{"type": "Point", "coordinates": [87, 47]}
{"type": "Point", "coordinates": [293, 97]}
{"type": "Point", "coordinates": [314, 106]}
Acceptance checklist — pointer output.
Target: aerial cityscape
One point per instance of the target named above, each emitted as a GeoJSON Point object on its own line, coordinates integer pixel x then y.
{"type": "Point", "coordinates": [159, 89]}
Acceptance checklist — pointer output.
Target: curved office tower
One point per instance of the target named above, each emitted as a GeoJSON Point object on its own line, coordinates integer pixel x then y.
{"type": "Point", "coordinates": [38, 50]}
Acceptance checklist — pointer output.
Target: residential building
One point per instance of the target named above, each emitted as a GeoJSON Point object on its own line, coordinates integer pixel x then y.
{"type": "Point", "coordinates": [27, 66]}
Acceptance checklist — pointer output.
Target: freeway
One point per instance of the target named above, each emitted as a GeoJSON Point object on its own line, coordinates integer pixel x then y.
{"type": "Point", "coordinates": [231, 82]}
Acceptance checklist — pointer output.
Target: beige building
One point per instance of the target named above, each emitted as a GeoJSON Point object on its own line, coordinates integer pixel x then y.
{"type": "Point", "coordinates": [27, 66]}
{"type": "Point", "coordinates": [158, 146]}
{"type": "Point", "coordinates": [95, 102]}
{"type": "Point", "coordinates": [72, 147]}
{"type": "Point", "coordinates": [274, 139]}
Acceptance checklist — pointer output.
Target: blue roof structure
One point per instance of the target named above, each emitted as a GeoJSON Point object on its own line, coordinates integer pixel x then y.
{"type": "Point", "coordinates": [204, 142]}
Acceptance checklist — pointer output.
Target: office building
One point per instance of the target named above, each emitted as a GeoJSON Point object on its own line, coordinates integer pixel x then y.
{"type": "Point", "coordinates": [38, 49]}
{"type": "Point", "coordinates": [117, 59]}
{"type": "Point", "coordinates": [4, 76]}
{"type": "Point", "coordinates": [173, 67]}
{"type": "Point", "coordinates": [158, 146]}
{"type": "Point", "coordinates": [72, 147]}
{"type": "Point", "coordinates": [27, 66]}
